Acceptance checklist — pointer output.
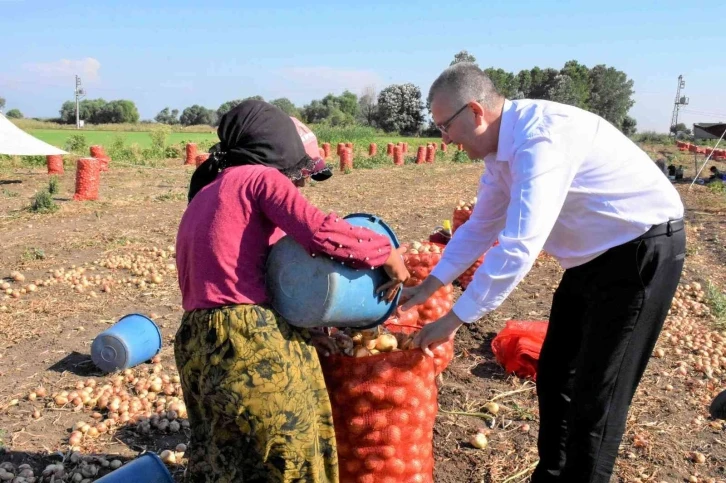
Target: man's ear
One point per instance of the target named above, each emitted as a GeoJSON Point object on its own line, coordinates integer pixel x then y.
{"type": "Point", "coordinates": [478, 111]}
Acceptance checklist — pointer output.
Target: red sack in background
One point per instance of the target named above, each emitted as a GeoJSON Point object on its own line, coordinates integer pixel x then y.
{"type": "Point", "coordinates": [191, 153]}
{"type": "Point", "coordinates": [384, 410]}
{"type": "Point", "coordinates": [88, 179]}
{"type": "Point", "coordinates": [518, 345]}
{"type": "Point", "coordinates": [55, 163]}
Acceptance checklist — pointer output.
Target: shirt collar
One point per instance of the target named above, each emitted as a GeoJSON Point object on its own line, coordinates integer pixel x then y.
{"type": "Point", "coordinates": [505, 147]}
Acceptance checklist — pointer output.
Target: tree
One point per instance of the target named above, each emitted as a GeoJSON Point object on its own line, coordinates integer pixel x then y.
{"type": "Point", "coordinates": [580, 76]}
{"type": "Point", "coordinates": [287, 106]}
{"type": "Point", "coordinates": [610, 93]}
{"type": "Point", "coordinates": [315, 112]}
{"type": "Point", "coordinates": [463, 56]}
{"type": "Point", "coordinates": [524, 82]}
{"type": "Point", "coordinates": [347, 103]}
{"type": "Point", "coordinates": [89, 110]}
{"type": "Point", "coordinates": [628, 127]}
{"type": "Point", "coordinates": [367, 107]}
{"type": "Point", "coordinates": [197, 115]}
{"type": "Point", "coordinates": [505, 82]}
{"type": "Point", "coordinates": [116, 112]}
{"type": "Point", "coordinates": [680, 127]}
{"type": "Point", "coordinates": [2, 103]}
{"type": "Point", "coordinates": [542, 81]}
{"type": "Point", "coordinates": [400, 109]}
{"type": "Point", "coordinates": [563, 90]}
{"type": "Point", "coordinates": [166, 117]}
{"type": "Point", "coordinates": [14, 114]}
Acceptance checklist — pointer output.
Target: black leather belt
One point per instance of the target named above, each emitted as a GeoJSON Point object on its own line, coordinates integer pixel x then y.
{"type": "Point", "coordinates": [667, 229]}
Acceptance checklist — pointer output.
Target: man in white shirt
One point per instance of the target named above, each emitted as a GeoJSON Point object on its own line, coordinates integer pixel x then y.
{"type": "Point", "coordinates": [564, 180]}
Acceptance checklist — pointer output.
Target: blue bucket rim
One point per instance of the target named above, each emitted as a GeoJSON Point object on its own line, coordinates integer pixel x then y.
{"type": "Point", "coordinates": [158, 331]}
{"type": "Point", "coordinates": [396, 244]}
{"type": "Point", "coordinates": [158, 461]}
{"type": "Point", "coordinates": [385, 226]}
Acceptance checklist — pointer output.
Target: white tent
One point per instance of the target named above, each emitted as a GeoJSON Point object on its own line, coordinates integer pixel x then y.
{"type": "Point", "coordinates": [15, 141]}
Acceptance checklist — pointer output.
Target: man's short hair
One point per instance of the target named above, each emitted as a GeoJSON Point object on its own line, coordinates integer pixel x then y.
{"type": "Point", "coordinates": [464, 82]}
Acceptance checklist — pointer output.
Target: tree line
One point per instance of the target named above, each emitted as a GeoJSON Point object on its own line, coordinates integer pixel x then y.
{"type": "Point", "coordinates": [399, 108]}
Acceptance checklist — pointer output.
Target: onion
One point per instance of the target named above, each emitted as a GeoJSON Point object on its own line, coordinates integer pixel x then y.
{"type": "Point", "coordinates": [386, 343]}
{"type": "Point", "coordinates": [168, 457]}
{"type": "Point", "coordinates": [492, 408]}
{"type": "Point", "coordinates": [75, 438]}
{"type": "Point", "coordinates": [479, 441]}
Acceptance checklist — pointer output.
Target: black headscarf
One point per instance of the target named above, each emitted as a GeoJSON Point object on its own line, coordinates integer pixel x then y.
{"type": "Point", "coordinates": [254, 132]}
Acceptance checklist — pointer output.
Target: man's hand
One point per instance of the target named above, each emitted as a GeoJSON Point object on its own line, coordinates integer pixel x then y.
{"type": "Point", "coordinates": [436, 333]}
{"type": "Point", "coordinates": [419, 294]}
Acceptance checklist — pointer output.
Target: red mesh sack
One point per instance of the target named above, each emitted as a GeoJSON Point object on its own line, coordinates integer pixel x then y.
{"type": "Point", "coordinates": [191, 153]}
{"type": "Point", "coordinates": [88, 178]}
{"type": "Point", "coordinates": [55, 163]}
{"type": "Point", "coordinates": [326, 149]}
{"type": "Point", "coordinates": [341, 148]}
{"type": "Point", "coordinates": [200, 158]}
{"type": "Point", "coordinates": [518, 345]}
{"type": "Point", "coordinates": [397, 155]}
{"type": "Point", "coordinates": [384, 410]}
{"type": "Point", "coordinates": [389, 149]}
{"type": "Point", "coordinates": [372, 149]}
{"type": "Point", "coordinates": [97, 151]}
{"type": "Point", "coordinates": [420, 258]}
{"type": "Point", "coordinates": [459, 217]}
{"type": "Point", "coordinates": [346, 159]}
{"type": "Point", "coordinates": [103, 163]}
{"type": "Point", "coordinates": [443, 147]}
{"type": "Point", "coordinates": [421, 155]}
{"type": "Point", "coordinates": [405, 148]}
{"type": "Point", "coordinates": [430, 153]}
{"type": "Point", "coordinates": [460, 147]}
{"type": "Point", "coordinates": [349, 146]}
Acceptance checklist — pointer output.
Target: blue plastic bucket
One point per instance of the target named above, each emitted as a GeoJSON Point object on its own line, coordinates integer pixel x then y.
{"type": "Point", "coordinates": [130, 341]}
{"type": "Point", "coordinates": [317, 291]}
{"type": "Point", "coordinates": [147, 468]}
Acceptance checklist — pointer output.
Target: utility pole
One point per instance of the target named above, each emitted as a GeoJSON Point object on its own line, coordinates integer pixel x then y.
{"type": "Point", "coordinates": [680, 101]}
{"type": "Point", "coordinates": [80, 92]}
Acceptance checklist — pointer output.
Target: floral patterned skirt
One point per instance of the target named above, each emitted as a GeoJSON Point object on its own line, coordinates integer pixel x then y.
{"type": "Point", "coordinates": [256, 398]}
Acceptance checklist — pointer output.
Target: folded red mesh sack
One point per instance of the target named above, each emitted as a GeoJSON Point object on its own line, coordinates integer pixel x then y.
{"type": "Point", "coordinates": [518, 345]}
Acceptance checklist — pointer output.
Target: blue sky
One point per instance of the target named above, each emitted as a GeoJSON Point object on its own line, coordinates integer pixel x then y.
{"type": "Point", "coordinates": [179, 53]}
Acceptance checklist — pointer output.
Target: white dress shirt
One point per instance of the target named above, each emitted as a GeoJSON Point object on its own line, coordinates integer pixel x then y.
{"type": "Point", "coordinates": [563, 180]}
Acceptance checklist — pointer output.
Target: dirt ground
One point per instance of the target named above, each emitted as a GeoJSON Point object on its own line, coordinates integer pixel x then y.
{"type": "Point", "coordinates": [45, 336]}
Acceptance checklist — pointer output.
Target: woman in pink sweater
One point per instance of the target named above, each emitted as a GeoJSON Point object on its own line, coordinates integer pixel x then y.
{"type": "Point", "coordinates": [253, 387]}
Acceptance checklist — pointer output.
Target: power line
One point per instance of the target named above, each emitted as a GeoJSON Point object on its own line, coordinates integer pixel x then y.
{"type": "Point", "coordinates": [704, 113]}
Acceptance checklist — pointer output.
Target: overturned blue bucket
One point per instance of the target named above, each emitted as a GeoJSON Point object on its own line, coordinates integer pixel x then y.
{"type": "Point", "coordinates": [316, 291]}
{"type": "Point", "coordinates": [129, 342]}
{"type": "Point", "coordinates": [147, 468]}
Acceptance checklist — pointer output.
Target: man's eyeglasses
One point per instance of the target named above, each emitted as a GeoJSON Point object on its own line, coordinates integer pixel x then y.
{"type": "Point", "coordinates": [444, 126]}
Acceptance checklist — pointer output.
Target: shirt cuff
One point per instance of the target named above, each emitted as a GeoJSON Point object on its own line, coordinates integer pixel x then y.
{"type": "Point", "coordinates": [467, 309]}
{"type": "Point", "coordinates": [445, 272]}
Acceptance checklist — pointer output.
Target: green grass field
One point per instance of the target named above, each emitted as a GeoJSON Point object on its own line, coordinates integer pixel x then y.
{"type": "Point", "coordinates": [58, 137]}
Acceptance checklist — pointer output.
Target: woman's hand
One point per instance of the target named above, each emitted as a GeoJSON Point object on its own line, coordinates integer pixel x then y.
{"type": "Point", "coordinates": [323, 344]}
{"type": "Point", "coordinates": [397, 271]}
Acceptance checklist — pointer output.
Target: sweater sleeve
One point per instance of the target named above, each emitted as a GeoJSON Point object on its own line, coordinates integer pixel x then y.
{"type": "Point", "coordinates": [318, 233]}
